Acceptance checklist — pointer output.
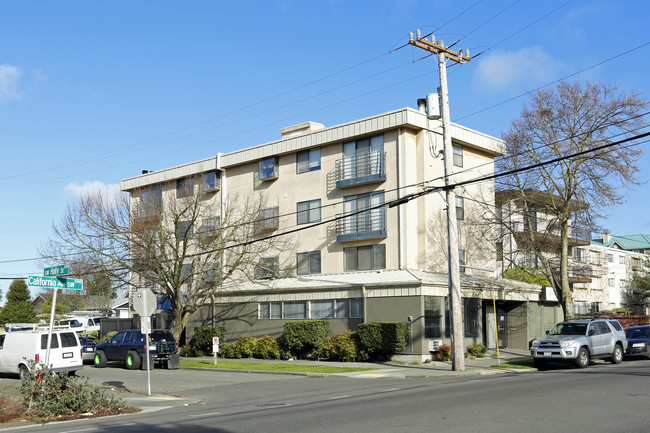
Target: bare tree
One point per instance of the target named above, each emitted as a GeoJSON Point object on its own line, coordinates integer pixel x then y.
{"type": "Point", "coordinates": [559, 123]}
{"type": "Point", "coordinates": [185, 248]}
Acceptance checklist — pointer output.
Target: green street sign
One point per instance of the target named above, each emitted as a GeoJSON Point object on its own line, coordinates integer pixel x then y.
{"type": "Point", "coordinates": [55, 271]}
{"type": "Point", "coordinates": [55, 283]}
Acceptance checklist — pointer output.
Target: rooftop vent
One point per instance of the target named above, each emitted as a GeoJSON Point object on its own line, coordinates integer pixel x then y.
{"type": "Point", "coordinates": [301, 128]}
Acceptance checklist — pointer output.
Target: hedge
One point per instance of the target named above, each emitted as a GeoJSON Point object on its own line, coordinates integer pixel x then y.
{"type": "Point", "coordinates": [303, 336]}
{"type": "Point", "coordinates": [383, 340]}
{"type": "Point", "coordinates": [203, 337]}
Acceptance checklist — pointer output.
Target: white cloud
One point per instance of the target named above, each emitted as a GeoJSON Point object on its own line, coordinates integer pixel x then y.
{"type": "Point", "coordinates": [504, 70]}
{"type": "Point", "coordinates": [9, 78]}
{"type": "Point", "coordinates": [76, 191]}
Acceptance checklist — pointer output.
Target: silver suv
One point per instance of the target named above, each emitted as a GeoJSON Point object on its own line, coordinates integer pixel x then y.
{"type": "Point", "coordinates": [579, 340]}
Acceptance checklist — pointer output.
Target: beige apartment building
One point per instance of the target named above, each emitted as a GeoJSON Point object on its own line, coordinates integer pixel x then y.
{"type": "Point", "coordinates": [354, 258]}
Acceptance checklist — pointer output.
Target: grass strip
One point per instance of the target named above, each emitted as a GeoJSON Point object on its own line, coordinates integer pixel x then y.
{"type": "Point", "coordinates": [268, 366]}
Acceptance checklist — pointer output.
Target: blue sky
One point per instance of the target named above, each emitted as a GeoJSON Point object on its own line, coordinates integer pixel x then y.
{"type": "Point", "coordinates": [94, 92]}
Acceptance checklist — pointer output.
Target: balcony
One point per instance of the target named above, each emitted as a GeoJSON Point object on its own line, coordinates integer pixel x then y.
{"type": "Point", "coordinates": [360, 169]}
{"type": "Point", "coordinates": [578, 272]}
{"type": "Point", "coordinates": [366, 225]}
{"type": "Point", "coordinates": [545, 234]}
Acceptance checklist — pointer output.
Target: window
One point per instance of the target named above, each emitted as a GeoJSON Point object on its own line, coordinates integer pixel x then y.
{"type": "Point", "coordinates": [341, 308]}
{"type": "Point", "coordinates": [621, 260]}
{"type": "Point", "coordinates": [365, 258]}
{"type": "Point", "coordinates": [364, 157]}
{"type": "Point", "coordinates": [184, 187]}
{"type": "Point", "coordinates": [210, 226]}
{"type": "Point", "coordinates": [458, 155]}
{"type": "Point", "coordinates": [151, 199]}
{"type": "Point", "coordinates": [309, 211]}
{"type": "Point", "coordinates": [461, 260]}
{"type": "Point", "coordinates": [499, 247]}
{"type": "Point", "coordinates": [269, 168]}
{"type": "Point", "coordinates": [309, 263]}
{"type": "Point", "coordinates": [212, 181]}
{"type": "Point", "coordinates": [610, 258]}
{"type": "Point", "coordinates": [268, 267]}
{"type": "Point", "coordinates": [472, 316]}
{"type": "Point", "coordinates": [611, 282]}
{"type": "Point", "coordinates": [68, 339]}
{"type": "Point", "coordinates": [460, 208]}
{"type": "Point", "coordinates": [282, 310]}
{"type": "Point", "coordinates": [364, 222]}
{"type": "Point", "coordinates": [322, 309]}
{"type": "Point", "coordinates": [186, 273]}
{"type": "Point", "coordinates": [184, 229]}
{"type": "Point", "coordinates": [356, 307]}
{"type": "Point", "coordinates": [307, 160]}
{"type": "Point", "coordinates": [530, 220]}
{"type": "Point", "coordinates": [579, 254]}
{"type": "Point", "coordinates": [433, 316]}
{"type": "Point", "coordinates": [53, 345]}
{"type": "Point", "coordinates": [268, 219]}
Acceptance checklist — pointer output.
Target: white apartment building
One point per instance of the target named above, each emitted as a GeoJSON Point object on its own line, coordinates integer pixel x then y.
{"type": "Point", "coordinates": [386, 264]}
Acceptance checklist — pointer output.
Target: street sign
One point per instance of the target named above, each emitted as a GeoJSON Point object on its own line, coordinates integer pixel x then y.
{"type": "Point", "coordinates": [55, 271]}
{"type": "Point", "coordinates": [55, 283]}
{"type": "Point", "coordinates": [145, 302]}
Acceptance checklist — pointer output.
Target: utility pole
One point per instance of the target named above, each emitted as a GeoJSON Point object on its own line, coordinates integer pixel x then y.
{"type": "Point", "coordinates": [455, 298]}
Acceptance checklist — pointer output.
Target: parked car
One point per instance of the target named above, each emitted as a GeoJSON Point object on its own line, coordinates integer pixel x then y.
{"type": "Point", "coordinates": [87, 347]}
{"type": "Point", "coordinates": [577, 341]}
{"type": "Point", "coordinates": [17, 348]}
{"type": "Point", "coordinates": [129, 347]}
{"type": "Point", "coordinates": [638, 339]}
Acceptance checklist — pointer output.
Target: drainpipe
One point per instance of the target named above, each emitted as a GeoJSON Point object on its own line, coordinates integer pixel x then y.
{"type": "Point", "coordinates": [364, 295]}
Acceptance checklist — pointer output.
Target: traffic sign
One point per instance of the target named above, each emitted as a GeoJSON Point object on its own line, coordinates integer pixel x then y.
{"type": "Point", "coordinates": [144, 302]}
{"type": "Point", "coordinates": [55, 271]}
{"type": "Point", "coordinates": [55, 283]}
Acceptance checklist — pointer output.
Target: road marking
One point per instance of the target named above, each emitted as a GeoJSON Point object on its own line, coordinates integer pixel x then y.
{"type": "Point", "coordinates": [85, 429]}
{"type": "Point", "coordinates": [206, 414]}
{"type": "Point", "coordinates": [390, 390]}
{"type": "Point", "coordinates": [371, 375]}
{"type": "Point", "coordinates": [339, 397]}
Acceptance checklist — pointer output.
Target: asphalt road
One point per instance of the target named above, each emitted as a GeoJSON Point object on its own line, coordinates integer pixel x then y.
{"type": "Point", "coordinates": [603, 397]}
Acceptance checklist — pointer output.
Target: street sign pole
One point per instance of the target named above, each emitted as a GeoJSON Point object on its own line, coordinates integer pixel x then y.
{"type": "Point", "coordinates": [49, 335]}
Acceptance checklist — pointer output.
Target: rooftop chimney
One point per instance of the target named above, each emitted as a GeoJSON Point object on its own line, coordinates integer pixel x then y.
{"type": "Point", "coordinates": [301, 128]}
{"type": "Point", "coordinates": [607, 236]}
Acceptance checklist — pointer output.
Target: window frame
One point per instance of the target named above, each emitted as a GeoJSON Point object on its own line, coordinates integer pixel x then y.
{"type": "Point", "coordinates": [313, 206]}
{"type": "Point", "coordinates": [272, 222]}
{"type": "Point", "coordinates": [265, 164]}
{"type": "Point", "coordinates": [309, 163]}
{"type": "Point", "coordinates": [184, 187]}
{"type": "Point", "coordinates": [268, 267]}
{"type": "Point", "coordinates": [308, 256]}
{"type": "Point", "coordinates": [377, 251]}
{"type": "Point", "coordinates": [216, 182]}
{"type": "Point", "coordinates": [457, 155]}
{"type": "Point", "coordinates": [460, 208]}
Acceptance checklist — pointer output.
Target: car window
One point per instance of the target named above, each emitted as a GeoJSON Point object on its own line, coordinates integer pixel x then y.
{"type": "Point", "coordinates": [2, 340]}
{"type": "Point", "coordinates": [637, 333]}
{"type": "Point", "coordinates": [616, 325]}
{"type": "Point", "coordinates": [119, 337]}
{"type": "Point", "coordinates": [68, 339]}
{"type": "Point", "coordinates": [604, 329]}
{"type": "Point", "coordinates": [128, 336]}
{"type": "Point", "coordinates": [593, 329]}
{"type": "Point", "coordinates": [161, 336]}
{"type": "Point", "coordinates": [54, 344]}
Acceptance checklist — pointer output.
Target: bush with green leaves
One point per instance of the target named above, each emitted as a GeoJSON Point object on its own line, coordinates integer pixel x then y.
{"type": "Point", "coordinates": [245, 347]}
{"type": "Point", "coordinates": [267, 347]}
{"type": "Point", "coordinates": [203, 337]}
{"type": "Point", "coordinates": [383, 340]}
{"type": "Point", "coordinates": [46, 394]}
{"type": "Point", "coordinates": [303, 336]}
{"type": "Point", "coordinates": [476, 350]}
{"type": "Point", "coordinates": [342, 347]}
{"type": "Point", "coordinates": [92, 334]}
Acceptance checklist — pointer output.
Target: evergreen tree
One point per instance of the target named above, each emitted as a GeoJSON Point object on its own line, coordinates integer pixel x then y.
{"type": "Point", "coordinates": [18, 307]}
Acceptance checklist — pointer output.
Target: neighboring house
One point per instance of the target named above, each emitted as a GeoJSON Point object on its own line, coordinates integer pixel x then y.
{"type": "Point", "coordinates": [616, 261]}
{"type": "Point", "coordinates": [37, 302]}
{"type": "Point", "coordinates": [120, 308]}
{"type": "Point", "coordinates": [384, 265]}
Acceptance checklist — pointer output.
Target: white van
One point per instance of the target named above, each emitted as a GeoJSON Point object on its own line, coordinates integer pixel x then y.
{"type": "Point", "coordinates": [17, 348]}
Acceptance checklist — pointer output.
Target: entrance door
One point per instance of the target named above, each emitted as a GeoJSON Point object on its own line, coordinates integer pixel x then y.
{"type": "Point", "coordinates": [501, 324]}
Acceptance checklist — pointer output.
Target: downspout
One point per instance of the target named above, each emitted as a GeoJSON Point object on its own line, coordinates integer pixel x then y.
{"type": "Point", "coordinates": [222, 178]}
{"type": "Point", "coordinates": [364, 295]}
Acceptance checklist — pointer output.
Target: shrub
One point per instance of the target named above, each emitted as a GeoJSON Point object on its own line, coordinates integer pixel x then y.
{"type": "Point", "coordinates": [190, 350]}
{"type": "Point", "coordinates": [444, 353]}
{"type": "Point", "coordinates": [476, 350]}
{"type": "Point", "coordinates": [203, 337]}
{"type": "Point", "coordinates": [92, 334]}
{"type": "Point", "coordinates": [267, 347]}
{"type": "Point", "coordinates": [341, 347]}
{"type": "Point", "coordinates": [47, 394]}
{"type": "Point", "coordinates": [303, 336]}
{"type": "Point", "coordinates": [383, 340]}
{"type": "Point", "coordinates": [243, 348]}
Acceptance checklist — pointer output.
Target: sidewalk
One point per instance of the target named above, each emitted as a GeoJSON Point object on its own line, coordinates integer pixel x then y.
{"type": "Point", "coordinates": [473, 367]}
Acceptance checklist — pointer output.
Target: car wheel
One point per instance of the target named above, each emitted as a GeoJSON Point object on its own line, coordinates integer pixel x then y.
{"type": "Point", "coordinates": [133, 360]}
{"type": "Point", "coordinates": [540, 364]}
{"type": "Point", "coordinates": [99, 360]}
{"type": "Point", "coordinates": [617, 354]}
{"type": "Point", "coordinates": [23, 372]}
{"type": "Point", "coordinates": [582, 361]}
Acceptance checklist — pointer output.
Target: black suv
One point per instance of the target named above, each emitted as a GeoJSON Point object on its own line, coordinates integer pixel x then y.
{"type": "Point", "coordinates": [130, 348]}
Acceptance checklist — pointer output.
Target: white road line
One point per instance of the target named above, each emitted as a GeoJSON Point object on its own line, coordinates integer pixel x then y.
{"type": "Point", "coordinates": [391, 390]}
{"type": "Point", "coordinates": [84, 429]}
{"type": "Point", "coordinates": [339, 397]}
{"type": "Point", "coordinates": [205, 414]}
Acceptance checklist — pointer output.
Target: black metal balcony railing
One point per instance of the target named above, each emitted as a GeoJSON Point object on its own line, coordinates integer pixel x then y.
{"type": "Point", "coordinates": [366, 225]}
{"type": "Point", "coordinates": [360, 169]}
